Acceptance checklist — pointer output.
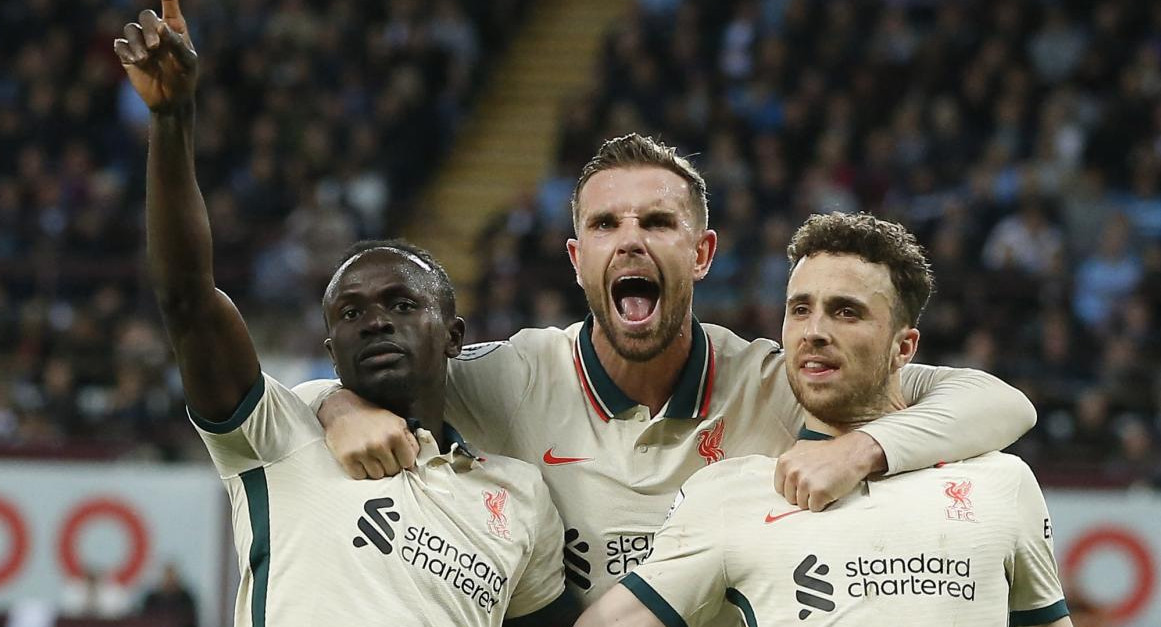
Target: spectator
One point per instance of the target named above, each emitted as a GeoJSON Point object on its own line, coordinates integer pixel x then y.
{"type": "Point", "coordinates": [171, 601]}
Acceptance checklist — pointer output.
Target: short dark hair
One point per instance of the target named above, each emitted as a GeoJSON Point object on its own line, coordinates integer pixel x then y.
{"type": "Point", "coordinates": [635, 150]}
{"type": "Point", "coordinates": [875, 241]}
{"type": "Point", "coordinates": [446, 292]}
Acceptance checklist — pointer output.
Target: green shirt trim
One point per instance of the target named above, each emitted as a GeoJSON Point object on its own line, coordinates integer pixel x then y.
{"type": "Point", "coordinates": [258, 502]}
{"type": "Point", "coordinates": [649, 597]}
{"type": "Point", "coordinates": [1042, 616]}
{"type": "Point", "coordinates": [245, 408]}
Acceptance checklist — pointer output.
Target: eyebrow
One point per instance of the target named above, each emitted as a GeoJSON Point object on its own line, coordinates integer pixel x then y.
{"type": "Point", "coordinates": [831, 301]}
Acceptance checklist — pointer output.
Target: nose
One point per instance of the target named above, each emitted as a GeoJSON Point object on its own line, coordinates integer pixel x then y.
{"type": "Point", "coordinates": [817, 330]}
{"type": "Point", "coordinates": [630, 238]}
{"type": "Point", "coordinates": [377, 320]}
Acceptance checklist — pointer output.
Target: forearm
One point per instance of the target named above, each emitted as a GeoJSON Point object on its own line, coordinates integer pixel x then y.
{"type": "Point", "coordinates": [957, 414]}
{"type": "Point", "coordinates": [178, 242]}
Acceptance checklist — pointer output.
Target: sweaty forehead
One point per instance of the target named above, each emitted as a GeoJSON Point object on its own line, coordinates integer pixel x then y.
{"type": "Point", "coordinates": [633, 188]}
{"type": "Point", "coordinates": [381, 265]}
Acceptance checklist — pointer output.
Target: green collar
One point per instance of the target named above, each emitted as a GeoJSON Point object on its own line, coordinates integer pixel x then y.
{"type": "Point", "coordinates": [807, 434]}
{"type": "Point", "coordinates": [690, 399]}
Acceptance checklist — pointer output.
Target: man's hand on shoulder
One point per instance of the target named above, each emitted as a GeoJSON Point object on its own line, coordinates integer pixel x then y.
{"type": "Point", "coordinates": [813, 474]}
{"type": "Point", "coordinates": [369, 441]}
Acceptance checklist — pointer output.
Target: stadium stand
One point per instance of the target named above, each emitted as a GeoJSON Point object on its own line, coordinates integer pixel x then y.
{"type": "Point", "coordinates": [1021, 140]}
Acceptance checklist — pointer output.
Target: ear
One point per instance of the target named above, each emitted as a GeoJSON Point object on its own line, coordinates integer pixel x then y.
{"type": "Point", "coordinates": [707, 245]}
{"type": "Point", "coordinates": [329, 344]}
{"type": "Point", "coordinates": [907, 344]}
{"type": "Point", "coordinates": [455, 338]}
{"type": "Point", "coordinates": [573, 246]}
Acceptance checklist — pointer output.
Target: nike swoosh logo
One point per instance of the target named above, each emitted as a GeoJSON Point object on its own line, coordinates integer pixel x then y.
{"type": "Point", "coordinates": [553, 460]}
{"type": "Point", "coordinates": [770, 519]}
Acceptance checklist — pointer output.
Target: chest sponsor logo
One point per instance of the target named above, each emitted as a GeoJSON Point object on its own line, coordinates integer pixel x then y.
{"type": "Point", "coordinates": [917, 575]}
{"type": "Point", "coordinates": [812, 590]}
{"type": "Point", "coordinates": [577, 569]}
{"type": "Point", "coordinates": [551, 459]}
{"type": "Point", "coordinates": [494, 502]}
{"type": "Point", "coordinates": [623, 553]}
{"type": "Point", "coordinates": [465, 571]}
{"type": "Point", "coordinates": [709, 442]}
{"type": "Point", "coordinates": [960, 509]}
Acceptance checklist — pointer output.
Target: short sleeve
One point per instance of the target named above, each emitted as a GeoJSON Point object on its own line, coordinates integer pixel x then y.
{"type": "Point", "coordinates": [683, 580]}
{"type": "Point", "coordinates": [1036, 596]}
{"type": "Point", "coordinates": [270, 423]}
{"type": "Point", "coordinates": [313, 392]}
{"type": "Point", "coordinates": [486, 385]}
{"type": "Point", "coordinates": [543, 578]}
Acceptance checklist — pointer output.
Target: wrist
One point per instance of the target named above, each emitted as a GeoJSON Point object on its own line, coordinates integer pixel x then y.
{"type": "Point", "coordinates": [869, 455]}
{"type": "Point", "coordinates": [181, 112]}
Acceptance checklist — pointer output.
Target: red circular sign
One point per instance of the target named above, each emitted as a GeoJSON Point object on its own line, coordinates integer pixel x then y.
{"type": "Point", "coordinates": [1121, 541]}
{"type": "Point", "coordinates": [118, 512]}
{"type": "Point", "coordinates": [18, 550]}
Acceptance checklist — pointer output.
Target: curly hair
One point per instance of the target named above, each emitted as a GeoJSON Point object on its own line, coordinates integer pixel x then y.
{"type": "Point", "coordinates": [876, 241]}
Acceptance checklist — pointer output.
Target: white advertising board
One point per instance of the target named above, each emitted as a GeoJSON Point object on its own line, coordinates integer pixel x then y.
{"type": "Point", "coordinates": [58, 519]}
{"type": "Point", "coordinates": [1108, 545]}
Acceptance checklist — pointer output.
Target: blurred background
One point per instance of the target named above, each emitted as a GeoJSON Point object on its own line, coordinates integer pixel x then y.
{"type": "Point", "coordinates": [1020, 139]}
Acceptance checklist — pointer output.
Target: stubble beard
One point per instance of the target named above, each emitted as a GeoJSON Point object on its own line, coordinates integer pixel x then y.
{"type": "Point", "coordinates": [858, 401]}
{"type": "Point", "coordinates": [645, 345]}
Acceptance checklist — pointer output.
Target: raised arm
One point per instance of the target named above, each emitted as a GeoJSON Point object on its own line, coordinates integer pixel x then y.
{"type": "Point", "coordinates": [214, 351]}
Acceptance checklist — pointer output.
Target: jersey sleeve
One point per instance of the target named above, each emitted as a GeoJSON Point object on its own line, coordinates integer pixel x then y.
{"type": "Point", "coordinates": [313, 392]}
{"type": "Point", "coordinates": [953, 414]}
{"type": "Point", "coordinates": [486, 385]}
{"type": "Point", "coordinates": [543, 578]}
{"type": "Point", "coordinates": [1035, 596]}
{"type": "Point", "coordinates": [683, 581]}
{"type": "Point", "coordinates": [270, 423]}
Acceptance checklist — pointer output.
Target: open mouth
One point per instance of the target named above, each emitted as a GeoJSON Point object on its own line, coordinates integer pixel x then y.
{"type": "Point", "coordinates": [635, 297]}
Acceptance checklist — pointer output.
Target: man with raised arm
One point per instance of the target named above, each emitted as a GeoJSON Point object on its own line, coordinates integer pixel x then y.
{"type": "Point", "coordinates": [457, 540]}
{"type": "Point", "coordinates": [966, 543]}
{"type": "Point", "coordinates": [620, 409]}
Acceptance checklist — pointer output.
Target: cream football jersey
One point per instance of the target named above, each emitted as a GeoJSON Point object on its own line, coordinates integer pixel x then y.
{"type": "Point", "coordinates": [967, 543]}
{"type": "Point", "coordinates": [613, 468]}
{"type": "Point", "coordinates": [461, 540]}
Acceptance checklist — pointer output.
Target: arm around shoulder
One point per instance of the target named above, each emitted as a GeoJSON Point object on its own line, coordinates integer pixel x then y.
{"type": "Point", "coordinates": [955, 414]}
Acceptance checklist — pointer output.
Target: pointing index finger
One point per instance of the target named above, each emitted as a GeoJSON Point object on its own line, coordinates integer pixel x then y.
{"type": "Point", "coordinates": [170, 9]}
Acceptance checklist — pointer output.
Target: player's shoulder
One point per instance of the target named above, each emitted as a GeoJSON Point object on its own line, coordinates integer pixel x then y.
{"type": "Point", "coordinates": [736, 354]}
{"type": "Point", "coordinates": [748, 468]}
{"type": "Point", "coordinates": [526, 343]}
{"type": "Point", "coordinates": [1004, 468]}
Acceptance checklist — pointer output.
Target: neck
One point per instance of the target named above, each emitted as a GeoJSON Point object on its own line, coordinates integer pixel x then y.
{"type": "Point", "coordinates": [426, 408]}
{"type": "Point", "coordinates": [891, 400]}
{"type": "Point", "coordinates": [652, 382]}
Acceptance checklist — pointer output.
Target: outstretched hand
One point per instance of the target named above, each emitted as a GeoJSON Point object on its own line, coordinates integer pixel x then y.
{"type": "Point", "coordinates": [159, 57]}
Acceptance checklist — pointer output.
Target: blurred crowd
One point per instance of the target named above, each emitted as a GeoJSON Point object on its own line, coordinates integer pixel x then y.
{"type": "Point", "coordinates": [1020, 139]}
{"type": "Point", "coordinates": [317, 121]}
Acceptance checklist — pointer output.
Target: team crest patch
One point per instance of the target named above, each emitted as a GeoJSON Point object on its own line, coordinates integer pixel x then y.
{"type": "Point", "coordinates": [959, 491]}
{"type": "Point", "coordinates": [476, 351]}
{"type": "Point", "coordinates": [709, 442]}
{"type": "Point", "coordinates": [498, 520]}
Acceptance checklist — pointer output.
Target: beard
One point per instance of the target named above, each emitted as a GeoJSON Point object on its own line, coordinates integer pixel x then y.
{"type": "Point", "coordinates": [862, 396]}
{"type": "Point", "coordinates": [644, 345]}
